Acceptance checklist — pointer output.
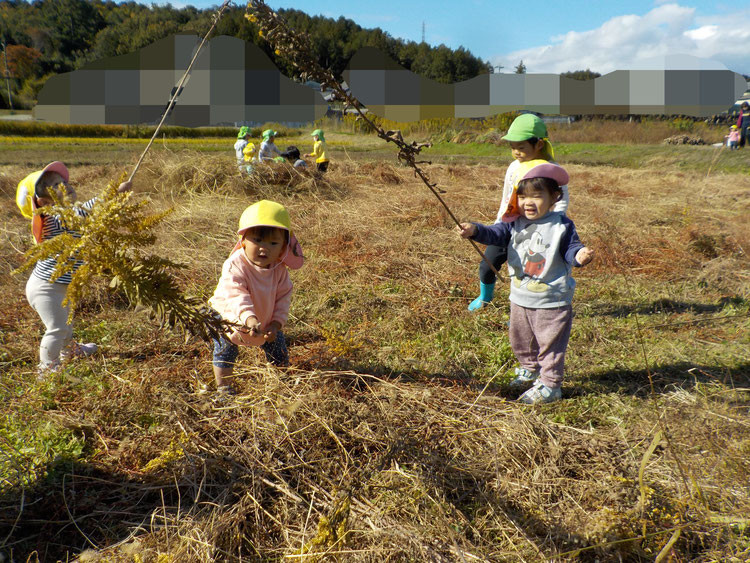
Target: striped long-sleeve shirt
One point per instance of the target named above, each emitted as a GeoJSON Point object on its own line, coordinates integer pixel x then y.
{"type": "Point", "coordinates": [52, 227]}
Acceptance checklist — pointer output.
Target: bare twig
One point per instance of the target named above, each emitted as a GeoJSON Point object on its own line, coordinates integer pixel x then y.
{"type": "Point", "coordinates": [180, 85]}
{"type": "Point", "coordinates": [297, 49]}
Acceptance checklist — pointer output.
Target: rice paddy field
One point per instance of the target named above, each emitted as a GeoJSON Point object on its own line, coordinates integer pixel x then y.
{"type": "Point", "coordinates": [393, 435]}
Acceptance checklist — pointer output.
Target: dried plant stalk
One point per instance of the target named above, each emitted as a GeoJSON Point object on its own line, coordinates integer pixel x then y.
{"type": "Point", "coordinates": [297, 48]}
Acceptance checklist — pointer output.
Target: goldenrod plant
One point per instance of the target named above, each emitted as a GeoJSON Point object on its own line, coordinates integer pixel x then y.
{"type": "Point", "coordinates": [111, 242]}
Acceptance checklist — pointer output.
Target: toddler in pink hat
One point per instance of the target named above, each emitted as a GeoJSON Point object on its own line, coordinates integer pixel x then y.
{"type": "Point", "coordinates": [45, 292]}
{"type": "Point", "coordinates": [542, 247]}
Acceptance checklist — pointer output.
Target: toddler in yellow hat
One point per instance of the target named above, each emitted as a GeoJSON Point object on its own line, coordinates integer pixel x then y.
{"type": "Point", "coordinates": [254, 291]}
{"type": "Point", "coordinates": [733, 139]}
{"type": "Point", "coordinates": [45, 294]}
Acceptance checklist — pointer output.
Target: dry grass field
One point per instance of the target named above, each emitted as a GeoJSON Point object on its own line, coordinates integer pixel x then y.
{"type": "Point", "coordinates": [393, 436]}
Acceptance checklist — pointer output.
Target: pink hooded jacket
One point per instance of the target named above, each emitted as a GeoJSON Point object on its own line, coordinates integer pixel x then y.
{"type": "Point", "coordinates": [245, 290]}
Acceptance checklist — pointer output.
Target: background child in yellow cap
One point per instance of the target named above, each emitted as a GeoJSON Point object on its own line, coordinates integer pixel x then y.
{"type": "Point", "coordinates": [528, 140]}
{"type": "Point", "coordinates": [541, 246]}
{"type": "Point", "coordinates": [733, 139]}
{"type": "Point", "coordinates": [255, 290]}
{"type": "Point", "coordinates": [46, 297]}
{"type": "Point", "coordinates": [319, 150]}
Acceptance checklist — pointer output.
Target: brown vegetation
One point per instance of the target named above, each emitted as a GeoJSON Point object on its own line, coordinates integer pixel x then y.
{"type": "Point", "coordinates": [394, 437]}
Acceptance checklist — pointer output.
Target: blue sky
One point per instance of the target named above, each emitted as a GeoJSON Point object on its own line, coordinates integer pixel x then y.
{"type": "Point", "coordinates": [556, 36]}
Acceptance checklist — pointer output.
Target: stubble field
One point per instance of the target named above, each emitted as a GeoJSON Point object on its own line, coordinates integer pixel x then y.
{"type": "Point", "coordinates": [394, 435]}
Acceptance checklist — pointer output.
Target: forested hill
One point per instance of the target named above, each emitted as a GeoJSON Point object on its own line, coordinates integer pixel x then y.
{"type": "Point", "coordinates": [46, 37]}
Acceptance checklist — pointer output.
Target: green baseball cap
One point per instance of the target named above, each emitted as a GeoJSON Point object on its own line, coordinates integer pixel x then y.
{"type": "Point", "coordinates": [525, 127]}
{"type": "Point", "coordinates": [269, 133]}
{"type": "Point", "coordinates": [244, 132]}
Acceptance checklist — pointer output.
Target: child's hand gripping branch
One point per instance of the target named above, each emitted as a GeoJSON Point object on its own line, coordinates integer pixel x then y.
{"type": "Point", "coordinates": [254, 328]}
{"type": "Point", "coordinates": [542, 246]}
{"type": "Point", "coordinates": [467, 230]}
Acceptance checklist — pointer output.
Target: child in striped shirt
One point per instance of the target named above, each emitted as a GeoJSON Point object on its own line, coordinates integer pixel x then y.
{"type": "Point", "coordinates": [45, 296]}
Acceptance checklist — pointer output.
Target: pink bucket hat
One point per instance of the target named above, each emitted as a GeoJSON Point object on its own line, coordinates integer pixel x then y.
{"type": "Point", "coordinates": [534, 169]}
{"type": "Point", "coordinates": [548, 170]}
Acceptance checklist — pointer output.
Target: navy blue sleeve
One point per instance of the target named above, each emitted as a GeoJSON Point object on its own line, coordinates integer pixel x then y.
{"type": "Point", "coordinates": [496, 235]}
{"type": "Point", "coordinates": [570, 244]}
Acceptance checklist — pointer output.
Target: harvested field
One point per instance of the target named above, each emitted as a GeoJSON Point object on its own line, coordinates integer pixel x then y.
{"type": "Point", "coordinates": [394, 435]}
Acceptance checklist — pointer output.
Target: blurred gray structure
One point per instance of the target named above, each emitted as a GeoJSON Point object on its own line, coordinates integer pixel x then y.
{"type": "Point", "coordinates": [668, 85]}
{"type": "Point", "coordinates": [234, 83]}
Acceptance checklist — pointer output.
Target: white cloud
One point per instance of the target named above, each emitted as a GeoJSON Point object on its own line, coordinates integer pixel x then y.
{"type": "Point", "coordinates": [668, 29]}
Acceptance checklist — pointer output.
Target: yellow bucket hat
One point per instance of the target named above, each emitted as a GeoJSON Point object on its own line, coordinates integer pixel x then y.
{"type": "Point", "coordinates": [267, 213]}
{"type": "Point", "coordinates": [264, 213]}
{"type": "Point", "coordinates": [26, 193]}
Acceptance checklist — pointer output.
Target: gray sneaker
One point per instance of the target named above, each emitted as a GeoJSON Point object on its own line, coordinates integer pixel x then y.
{"type": "Point", "coordinates": [45, 372]}
{"type": "Point", "coordinates": [540, 393]}
{"type": "Point", "coordinates": [224, 394]}
{"type": "Point", "coordinates": [523, 377]}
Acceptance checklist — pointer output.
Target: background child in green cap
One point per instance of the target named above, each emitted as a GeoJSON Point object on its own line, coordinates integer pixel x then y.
{"type": "Point", "coordinates": [319, 150]}
{"type": "Point", "coordinates": [268, 149]}
{"type": "Point", "coordinates": [243, 141]}
{"type": "Point", "coordinates": [528, 140]}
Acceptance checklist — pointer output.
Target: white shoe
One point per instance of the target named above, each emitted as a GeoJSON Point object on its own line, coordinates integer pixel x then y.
{"type": "Point", "coordinates": [524, 376]}
{"type": "Point", "coordinates": [43, 372]}
{"type": "Point", "coordinates": [75, 350]}
{"type": "Point", "coordinates": [540, 393]}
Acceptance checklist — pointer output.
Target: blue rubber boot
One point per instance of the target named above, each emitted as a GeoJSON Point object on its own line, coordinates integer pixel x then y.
{"type": "Point", "coordinates": [486, 293]}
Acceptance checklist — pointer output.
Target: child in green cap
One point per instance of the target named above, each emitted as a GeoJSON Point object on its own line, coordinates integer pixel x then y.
{"type": "Point", "coordinates": [528, 140]}
{"type": "Point", "coordinates": [319, 150]}
{"type": "Point", "coordinates": [243, 139]}
{"type": "Point", "coordinates": [268, 149]}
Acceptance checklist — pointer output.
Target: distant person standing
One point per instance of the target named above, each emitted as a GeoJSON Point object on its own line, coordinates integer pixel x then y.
{"type": "Point", "coordinates": [743, 123]}
{"type": "Point", "coordinates": [319, 150]}
{"type": "Point", "coordinates": [733, 139]}
{"type": "Point", "coordinates": [243, 141]}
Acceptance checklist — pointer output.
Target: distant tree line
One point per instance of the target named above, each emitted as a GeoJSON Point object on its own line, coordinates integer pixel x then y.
{"type": "Point", "coordinates": [46, 37]}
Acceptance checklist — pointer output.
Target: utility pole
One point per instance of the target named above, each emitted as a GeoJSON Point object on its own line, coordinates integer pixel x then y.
{"type": "Point", "coordinates": [7, 74]}
{"type": "Point", "coordinates": [422, 32]}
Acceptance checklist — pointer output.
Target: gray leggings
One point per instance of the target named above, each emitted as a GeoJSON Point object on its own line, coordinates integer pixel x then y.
{"type": "Point", "coordinates": [46, 299]}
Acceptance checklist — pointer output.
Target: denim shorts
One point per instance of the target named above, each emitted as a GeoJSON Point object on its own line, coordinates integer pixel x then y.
{"type": "Point", "coordinates": [225, 352]}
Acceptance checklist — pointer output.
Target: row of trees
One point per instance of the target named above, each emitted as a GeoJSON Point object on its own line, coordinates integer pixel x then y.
{"type": "Point", "coordinates": [46, 37]}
